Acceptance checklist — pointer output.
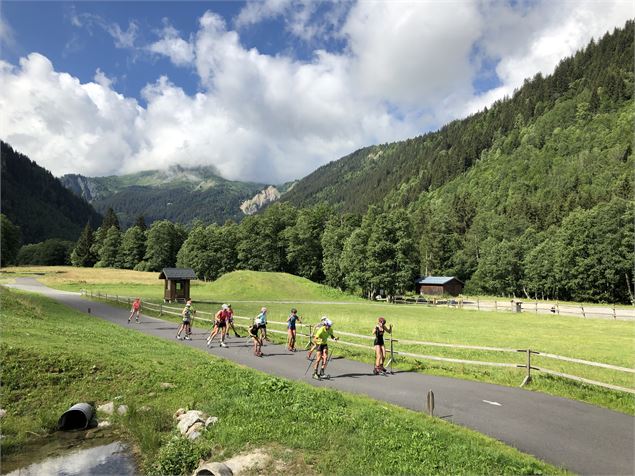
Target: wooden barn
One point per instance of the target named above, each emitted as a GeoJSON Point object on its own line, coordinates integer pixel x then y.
{"type": "Point", "coordinates": [439, 285]}
{"type": "Point", "coordinates": [177, 283]}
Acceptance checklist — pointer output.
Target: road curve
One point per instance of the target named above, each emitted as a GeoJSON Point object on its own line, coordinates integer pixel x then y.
{"type": "Point", "coordinates": [579, 437]}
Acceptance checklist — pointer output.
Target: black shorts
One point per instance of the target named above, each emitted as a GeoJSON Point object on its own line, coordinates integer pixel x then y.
{"type": "Point", "coordinates": [220, 324]}
{"type": "Point", "coordinates": [186, 320]}
{"type": "Point", "coordinates": [379, 341]}
{"type": "Point", "coordinates": [322, 347]}
{"type": "Point", "coordinates": [253, 331]}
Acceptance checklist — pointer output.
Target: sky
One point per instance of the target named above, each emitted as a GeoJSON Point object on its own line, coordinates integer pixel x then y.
{"type": "Point", "coordinates": [266, 90]}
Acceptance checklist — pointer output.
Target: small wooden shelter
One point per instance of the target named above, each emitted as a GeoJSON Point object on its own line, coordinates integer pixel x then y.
{"type": "Point", "coordinates": [439, 285]}
{"type": "Point", "coordinates": [177, 283]}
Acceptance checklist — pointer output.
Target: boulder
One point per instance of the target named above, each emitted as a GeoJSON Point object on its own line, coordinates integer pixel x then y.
{"type": "Point", "coordinates": [179, 412]}
{"type": "Point", "coordinates": [166, 385]}
{"type": "Point", "coordinates": [3, 413]}
{"type": "Point", "coordinates": [103, 424]}
{"type": "Point", "coordinates": [187, 420]}
{"type": "Point", "coordinates": [211, 421]}
{"type": "Point", "coordinates": [107, 408]}
{"type": "Point", "coordinates": [195, 430]}
{"type": "Point", "coordinates": [213, 469]}
{"type": "Point", "coordinates": [122, 409]}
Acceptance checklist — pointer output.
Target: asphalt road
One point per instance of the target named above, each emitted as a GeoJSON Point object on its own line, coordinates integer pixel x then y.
{"type": "Point", "coordinates": [579, 437]}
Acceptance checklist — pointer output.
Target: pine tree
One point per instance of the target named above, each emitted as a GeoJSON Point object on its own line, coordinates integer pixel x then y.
{"type": "Point", "coordinates": [141, 223]}
{"type": "Point", "coordinates": [83, 255]}
{"type": "Point", "coordinates": [133, 247]}
{"type": "Point", "coordinates": [109, 253]}
{"type": "Point", "coordinates": [110, 220]}
{"type": "Point", "coordinates": [10, 241]}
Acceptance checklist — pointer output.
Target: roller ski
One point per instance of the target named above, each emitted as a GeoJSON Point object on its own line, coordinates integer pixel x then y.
{"type": "Point", "coordinates": [321, 375]}
{"type": "Point", "coordinates": [379, 371]}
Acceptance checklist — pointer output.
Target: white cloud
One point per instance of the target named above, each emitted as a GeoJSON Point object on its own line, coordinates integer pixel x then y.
{"type": "Point", "coordinates": [407, 67]}
{"type": "Point", "coordinates": [180, 52]}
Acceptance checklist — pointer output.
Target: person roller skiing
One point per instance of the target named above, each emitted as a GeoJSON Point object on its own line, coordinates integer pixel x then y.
{"type": "Point", "coordinates": [261, 320]}
{"type": "Point", "coordinates": [253, 333]}
{"type": "Point", "coordinates": [135, 310]}
{"type": "Point", "coordinates": [380, 348]}
{"type": "Point", "coordinates": [291, 331]}
{"type": "Point", "coordinates": [321, 339]}
{"type": "Point", "coordinates": [309, 354]}
{"type": "Point", "coordinates": [220, 324]}
{"type": "Point", "coordinates": [187, 313]}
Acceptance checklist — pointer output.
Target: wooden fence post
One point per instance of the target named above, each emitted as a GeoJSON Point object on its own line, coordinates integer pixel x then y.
{"type": "Point", "coordinates": [478, 304]}
{"type": "Point", "coordinates": [160, 309]}
{"type": "Point", "coordinates": [430, 402]}
{"type": "Point", "coordinates": [614, 313]}
{"type": "Point", "coordinates": [583, 313]}
{"type": "Point", "coordinates": [495, 305]}
{"type": "Point", "coordinates": [528, 376]}
{"type": "Point", "coordinates": [557, 308]}
{"type": "Point", "coordinates": [536, 307]}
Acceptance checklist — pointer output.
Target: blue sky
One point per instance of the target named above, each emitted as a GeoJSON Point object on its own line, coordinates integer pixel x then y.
{"type": "Point", "coordinates": [265, 90]}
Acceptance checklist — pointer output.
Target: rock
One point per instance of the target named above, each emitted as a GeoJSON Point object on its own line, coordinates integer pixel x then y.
{"type": "Point", "coordinates": [103, 424]}
{"type": "Point", "coordinates": [3, 413]}
{"type": "Point", "coordinates": [211, 421]}
{"type": "Point", "coordinates": [107, 408]}
{"type": "Point", "coordinates": [144, 408]}
{"type": "Point", "coordinates": [166, 385]}
{"type": "Point", "coordinates": [179, 412]}
{"type": "Point", "coordinates": [214, 469]}
{"type": "Point", "coordinates": [195, 430]}
{"type": "Point", "coordinates": [118, 397]}
{"type": "Point", "coordinates": [251, 462]}
{"type": "Point", "coordinates": [122, 409]}
{"type": "Point", "coordinates": [187, 420]}
{"type": "Point", "coordinates": [90, 434]}
{"type": "Point", "coordinates": [152, 394]}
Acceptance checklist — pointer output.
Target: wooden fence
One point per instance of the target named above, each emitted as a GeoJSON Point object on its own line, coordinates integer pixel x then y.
{"type": "Point", "coordinates": [307, 332]}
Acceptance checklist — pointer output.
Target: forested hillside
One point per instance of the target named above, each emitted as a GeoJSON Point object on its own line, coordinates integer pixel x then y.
{"type": "Point", "coordinates": [177, 194]}
{"type": "Point", "coordinates": [38, 203]}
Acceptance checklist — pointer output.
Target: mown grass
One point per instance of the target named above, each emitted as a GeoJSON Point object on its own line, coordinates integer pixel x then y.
{"type": "Point", "coordinates": [54, 357]}
{"type": "Point", "coordinates": [605, 341]}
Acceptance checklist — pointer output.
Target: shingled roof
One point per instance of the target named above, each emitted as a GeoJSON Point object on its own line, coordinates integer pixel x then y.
{"type": "Point", "coordinates": [177, 273]}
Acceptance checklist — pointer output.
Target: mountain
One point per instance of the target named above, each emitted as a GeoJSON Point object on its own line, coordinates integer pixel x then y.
{"type": "Point", "coordinates": [178, 194]}
{"type": "Point", "coordinates": [601, 73]}
{"type": "Point", "coordinates": [38, 203]}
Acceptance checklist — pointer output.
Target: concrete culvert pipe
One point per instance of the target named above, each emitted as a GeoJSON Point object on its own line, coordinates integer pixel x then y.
{"type": "Point", "coordinates": [213, 469]}
{"type": "Point", "coordinates": [76, 417]}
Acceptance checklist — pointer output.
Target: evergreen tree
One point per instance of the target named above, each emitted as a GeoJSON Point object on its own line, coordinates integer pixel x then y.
{"type": "Point", "coordinates": [141, 223]}
{"type": "Point", "coordinates": [110, 251]}
{"type": "Point", "coordinates": [10, 241]}
{"type": "Point", "coordinates": [133, 247]}
{"type": "Point", "coordinates": [83, 254]}
{"type": "Point", "coordinates": [110, 220]}
{"type": "Point", "coordinates": [337, 230]}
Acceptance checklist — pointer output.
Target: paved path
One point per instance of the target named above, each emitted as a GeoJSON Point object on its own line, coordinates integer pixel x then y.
{"type": "Point", "coordinates": [579, 437]}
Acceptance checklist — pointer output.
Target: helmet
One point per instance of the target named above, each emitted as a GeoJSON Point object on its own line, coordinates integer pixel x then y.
{"type": "Point", "coordinates": [264, 309]}
{"type": "Point", "coordinates": [382, 321]}
{"type": "Point", "coordinates": [188, 304]}
{"type": "Point", "coordinates": [225, 306]}
{"type": "Point", "coordinates": [324, 318]}
{"type": "Point", "coordinates": [328, 323]}
{"type": "Point", "coordinates": [294, 310]}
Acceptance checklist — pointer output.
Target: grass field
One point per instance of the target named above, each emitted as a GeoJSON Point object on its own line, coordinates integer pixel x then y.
{"type": "Point", "coordinates": [604, 341]}
{"type": "Point", "coordinates": [54, 357]}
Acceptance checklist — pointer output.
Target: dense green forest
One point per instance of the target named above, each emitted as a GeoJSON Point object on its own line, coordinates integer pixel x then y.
{"type": "Point", "coordinates": [177, 194]}
{"type": "Point", "coordinates": [37, 203]}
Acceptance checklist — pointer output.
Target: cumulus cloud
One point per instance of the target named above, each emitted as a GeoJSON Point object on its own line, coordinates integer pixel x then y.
{"type": "Point", "coordinates": [407, 67]}
{"type": "Point", "coordinates": [180, 51]}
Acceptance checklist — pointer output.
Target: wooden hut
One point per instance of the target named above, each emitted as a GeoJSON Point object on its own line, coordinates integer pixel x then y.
{"type": "Point", "coordinates": [439, 285]}
{"type": "Point", "coordinates": [177, 283]}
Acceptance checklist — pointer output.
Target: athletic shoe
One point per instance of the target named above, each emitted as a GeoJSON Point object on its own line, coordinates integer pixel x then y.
{"type": "Point", "coordinates": [178, 337]}
{"type": "Point", "coordinates": [316, 377]}
{"type": "Point", "coordinates": [187, 338]}
{"type": "Point", "coordinates": [137, 321]}
{"type": "Point", "coordinates": [128, 321]}
{"type": "Point", "coordinates": [222, 344]}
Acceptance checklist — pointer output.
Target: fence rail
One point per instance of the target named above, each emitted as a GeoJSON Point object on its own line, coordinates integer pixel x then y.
{"type": "Point", "coordinates": [165, 309]}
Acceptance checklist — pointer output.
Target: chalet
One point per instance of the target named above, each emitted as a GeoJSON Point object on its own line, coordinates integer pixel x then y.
{"type": "Point", "coordinates": [177, 283]}
{"type": "Point", "coordinates": [439, 285]}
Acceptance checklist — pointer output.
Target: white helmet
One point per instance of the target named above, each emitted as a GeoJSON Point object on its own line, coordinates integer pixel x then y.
{"type": "Point", "coordinates": [224, 306]}
{"type": "Point", "coordinates": [324, 319]}
{"type": "Point", "coordinates": [328, 323]}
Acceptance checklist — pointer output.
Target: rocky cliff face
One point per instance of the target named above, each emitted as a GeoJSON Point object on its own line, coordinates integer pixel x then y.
{"type": "Point", "coordinates": [266, 196]}
{"type": "Point", "coordinates": [83, 187]}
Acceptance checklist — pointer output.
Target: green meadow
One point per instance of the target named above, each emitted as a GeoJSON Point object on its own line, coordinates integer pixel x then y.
{"type": "Point", "coordinates": [54, 357]}
{"type": "Point", "coordinates": [598, 340]}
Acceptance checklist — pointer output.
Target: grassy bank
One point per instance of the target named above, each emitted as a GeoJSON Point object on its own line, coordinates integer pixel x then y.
{"type": "Point", "coordinates": [604, 341]}
{"type": "Point", "coordinates": [54, 357]}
